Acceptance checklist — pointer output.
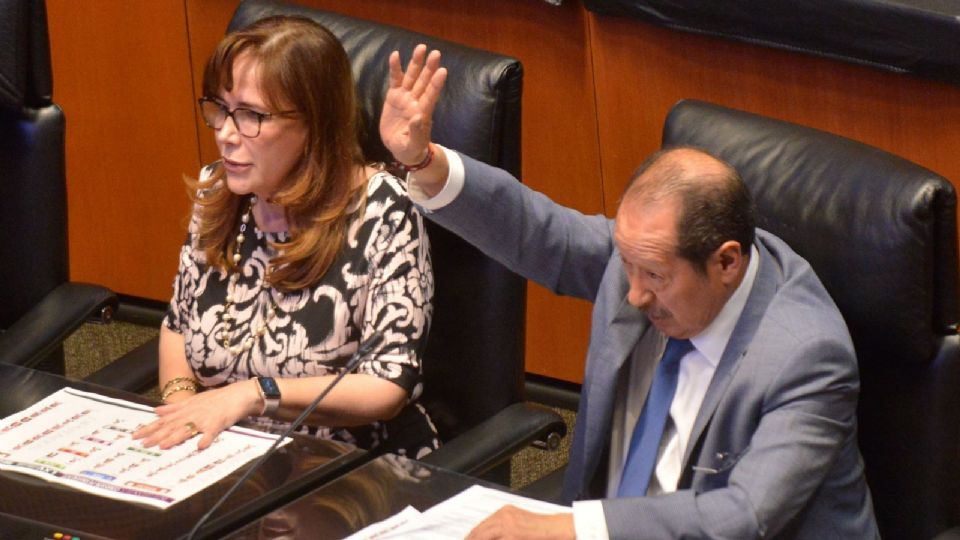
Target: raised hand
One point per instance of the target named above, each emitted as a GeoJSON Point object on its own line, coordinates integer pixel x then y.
{"type": "Point", "coordinates": [408, 108]}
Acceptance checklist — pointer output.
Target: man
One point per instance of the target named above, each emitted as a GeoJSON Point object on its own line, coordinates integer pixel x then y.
{"type": "Point", "coordinates": [721, 384]}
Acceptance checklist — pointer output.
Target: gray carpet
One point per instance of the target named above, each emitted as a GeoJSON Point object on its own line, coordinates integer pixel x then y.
{"type": "Point", "coordinates": [96, 345]}
{"type": "Point", "coordinates": [533, 463]}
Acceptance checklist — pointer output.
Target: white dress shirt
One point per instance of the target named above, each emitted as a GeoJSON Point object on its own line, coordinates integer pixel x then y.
{"type": "Point", "coordinates": [450, 190]}
{"type": "Point", "coordinates": [696, 372]}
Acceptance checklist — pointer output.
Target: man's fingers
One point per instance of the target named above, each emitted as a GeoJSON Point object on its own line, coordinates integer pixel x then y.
{"type": "Point", "coordinates": [426, 74]}
{"type": "Point", "coordinates": [490, 527]}
{"type": "Point", "coordinates": [396, 73]}
{"type": "Point", "coordinates": [414, 67]}
{"type": "Point", "coordinates": [432, 93]}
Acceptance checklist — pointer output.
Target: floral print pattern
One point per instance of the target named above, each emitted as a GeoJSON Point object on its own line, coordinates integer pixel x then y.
{"type": "Point", "coordinates": [381, 280]}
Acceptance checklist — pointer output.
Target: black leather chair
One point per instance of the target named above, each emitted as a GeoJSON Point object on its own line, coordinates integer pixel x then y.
{"type": "Point", "coordinates": [881, 233]}
{"type": "Point", "coordinates": [473, 364]}
{"type": "Point", "coordinates": [39, 307]}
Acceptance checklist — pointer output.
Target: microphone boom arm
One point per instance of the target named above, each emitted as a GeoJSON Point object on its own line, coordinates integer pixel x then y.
{"type": "Point", "coordinates": [371, 343]}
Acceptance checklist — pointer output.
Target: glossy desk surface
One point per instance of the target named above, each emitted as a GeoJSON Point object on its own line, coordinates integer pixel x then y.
{"type": "Point", "coordinates": [294, 470]}
{"type": "Point", "coordinates": [362, 497]}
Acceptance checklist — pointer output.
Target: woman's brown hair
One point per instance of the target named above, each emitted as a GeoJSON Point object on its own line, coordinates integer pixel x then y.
{"type": "Point", "coordinates": [304, 67]}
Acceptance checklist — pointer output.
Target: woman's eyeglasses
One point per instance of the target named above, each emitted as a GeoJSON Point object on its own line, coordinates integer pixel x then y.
{"type": "Point", "coordinates": [247, 120]}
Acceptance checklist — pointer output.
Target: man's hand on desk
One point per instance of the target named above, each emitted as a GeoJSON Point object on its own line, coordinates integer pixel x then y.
{"type": "Point", "coordinates": [511, 522]}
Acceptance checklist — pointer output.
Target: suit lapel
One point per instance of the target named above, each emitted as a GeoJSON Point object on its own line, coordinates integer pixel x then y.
{"type": "Point", "coordinates": [764, 287]}
{"type": "Point", "coordinates": [598, 395]}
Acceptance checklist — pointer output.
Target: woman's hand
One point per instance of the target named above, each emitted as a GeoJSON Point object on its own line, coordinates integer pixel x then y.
{"type": "Point", "coordinates": [408, 108]}
{"type": "Point", "coordinates": [207, 413]}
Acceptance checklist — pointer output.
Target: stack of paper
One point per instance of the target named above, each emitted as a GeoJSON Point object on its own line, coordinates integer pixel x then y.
{"type": "Point", "coordinates": [453, 518]}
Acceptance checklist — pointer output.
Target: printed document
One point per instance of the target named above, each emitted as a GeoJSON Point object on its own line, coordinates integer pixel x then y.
{"type": "Point", "coordinates": [84, 440]}
{"type": "Point", "coordinates": [454, 517]}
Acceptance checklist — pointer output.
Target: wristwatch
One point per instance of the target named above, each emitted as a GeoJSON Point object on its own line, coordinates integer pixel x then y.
{"type": "Point", "coordinates": [270, 394]}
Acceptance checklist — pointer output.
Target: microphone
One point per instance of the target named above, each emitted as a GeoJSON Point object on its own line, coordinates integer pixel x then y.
{"type": "Point", "coordinates": [363, 350]}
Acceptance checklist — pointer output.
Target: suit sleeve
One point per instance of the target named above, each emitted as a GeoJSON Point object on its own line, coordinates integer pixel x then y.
{"type": "Point", "coordinates": [557, 247]}
{"type": "Point", "coordinates": [805, 421]}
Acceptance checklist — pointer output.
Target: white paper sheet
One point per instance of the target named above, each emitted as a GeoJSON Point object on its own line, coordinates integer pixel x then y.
{"type": "Point", "coordinates": [453, 518]}
{"type": "Point", "coordinates": [84, 440]}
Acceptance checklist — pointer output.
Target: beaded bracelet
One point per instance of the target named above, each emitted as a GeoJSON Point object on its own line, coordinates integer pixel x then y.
{"type": "Point", "coordinates": [171, 391]}
{"type": "Point", "coordinates": [419, 166]}
{"type": "Point", "coordinates": [177, 380]}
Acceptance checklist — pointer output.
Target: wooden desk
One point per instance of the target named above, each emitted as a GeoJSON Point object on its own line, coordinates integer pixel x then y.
{"type": "Point", "coordinates": [27, 501]}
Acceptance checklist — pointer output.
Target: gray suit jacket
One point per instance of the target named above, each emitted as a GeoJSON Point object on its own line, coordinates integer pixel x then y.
{"type": "Point", "coordinates": [773, 450]}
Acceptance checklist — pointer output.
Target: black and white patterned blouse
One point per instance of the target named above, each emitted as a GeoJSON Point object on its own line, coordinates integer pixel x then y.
{"type": "Point", "coordinates": [381, 279]}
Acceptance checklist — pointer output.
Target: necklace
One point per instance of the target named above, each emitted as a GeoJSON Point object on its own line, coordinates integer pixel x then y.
{"type": "Point", "coordinates": [233, 343]}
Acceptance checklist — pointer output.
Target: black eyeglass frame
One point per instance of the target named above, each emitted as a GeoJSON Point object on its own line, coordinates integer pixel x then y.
{"type": "Point", "coordinates": [230, 113]}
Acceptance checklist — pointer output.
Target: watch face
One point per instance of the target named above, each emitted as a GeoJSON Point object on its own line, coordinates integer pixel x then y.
{"type": "Point", "coordinates": [269, 387]}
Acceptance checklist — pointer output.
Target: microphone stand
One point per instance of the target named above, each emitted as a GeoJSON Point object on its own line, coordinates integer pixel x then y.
{"type": "Point", "coordinates": [364, 348]}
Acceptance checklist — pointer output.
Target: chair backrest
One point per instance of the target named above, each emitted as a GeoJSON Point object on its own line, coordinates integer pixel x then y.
{"type": "Point", "coordinates": [33, 203]}
{"type": "Point", "coordinates": [473, 365]}
{"type": "Point", "coordinates": [881, 233]}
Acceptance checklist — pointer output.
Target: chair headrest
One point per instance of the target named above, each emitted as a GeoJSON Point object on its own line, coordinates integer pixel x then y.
{"type": "Point", "coordinates": [879, 230]}
{"type": "Point", "coordinates": [466, 119]}
{"type": "Point", "coordinates": [25, 77]}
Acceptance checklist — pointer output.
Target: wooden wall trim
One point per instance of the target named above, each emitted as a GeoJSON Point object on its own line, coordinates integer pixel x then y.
{"type": "Point", "coordinates": [643, 70]}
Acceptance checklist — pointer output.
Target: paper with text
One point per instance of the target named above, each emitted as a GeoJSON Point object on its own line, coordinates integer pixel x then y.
{"type": "Point", "coordinates": [454, 517]}
{"type": "Point", "coordinates": [84, 440]}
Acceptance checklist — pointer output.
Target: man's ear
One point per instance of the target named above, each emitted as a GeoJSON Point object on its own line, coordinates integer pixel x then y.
{"type": "Point", "coordinates": [729, 261]}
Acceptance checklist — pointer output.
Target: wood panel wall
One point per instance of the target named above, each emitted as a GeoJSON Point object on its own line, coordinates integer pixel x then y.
{"type": "Point", "coordinates": [642, 70]}
{"type": "Point", "coordinates": [121, 73]}
{"type": "Point", "coordinates": [596, 91]}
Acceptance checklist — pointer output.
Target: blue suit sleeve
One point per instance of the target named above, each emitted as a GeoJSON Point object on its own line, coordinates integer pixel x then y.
{"type": "Point", "coordinates": [557, 247]}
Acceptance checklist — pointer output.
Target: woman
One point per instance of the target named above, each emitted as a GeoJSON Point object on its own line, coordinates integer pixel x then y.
{"type": "Point", "coordinates": [298, 251]}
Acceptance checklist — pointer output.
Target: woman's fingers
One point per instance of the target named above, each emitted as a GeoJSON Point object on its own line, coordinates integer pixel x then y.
{"type": "Point", "coordinates": [175, 424]}
{"type": "Point", "coordinates": [207, 439]}
{"type": "Point", "coordinates": [160, 433]}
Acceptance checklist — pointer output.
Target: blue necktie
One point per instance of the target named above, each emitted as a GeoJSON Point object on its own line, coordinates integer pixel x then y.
{"type": "Point", "coordinates": [645, 442]}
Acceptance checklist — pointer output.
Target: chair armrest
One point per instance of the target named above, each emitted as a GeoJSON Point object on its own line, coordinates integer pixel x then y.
{"type": "Point", "coordinates": [43, 328]}
{"type": "Point", "coordinates": [136, 371]}
{"type": "Point", "coordinates": [495, 440]}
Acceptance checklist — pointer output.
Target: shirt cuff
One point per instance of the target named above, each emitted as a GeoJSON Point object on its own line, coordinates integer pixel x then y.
{"type": "Point", "coordinates": [589, 523]}
{"type": "Point", "coordinates": [455, 179]}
